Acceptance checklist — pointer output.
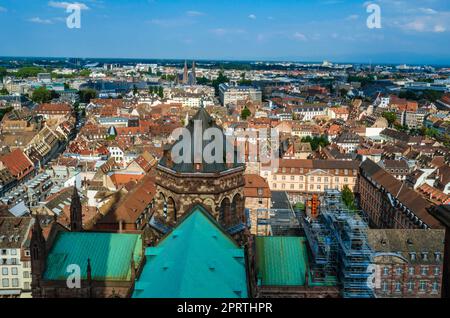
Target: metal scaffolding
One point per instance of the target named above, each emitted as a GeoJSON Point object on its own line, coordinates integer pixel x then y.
{"type": "Point", "coordinates": [277, 222]}
{"type": "Point", "coordinates": [339, 248]}
{"type": "Point", "coordinates": [354, 253]}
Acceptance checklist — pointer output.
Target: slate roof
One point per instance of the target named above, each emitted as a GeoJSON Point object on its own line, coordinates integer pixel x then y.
{"type": "Point", "coordinates": [189, 167]}
{"type": "Point", "coordinates": [408, 197]}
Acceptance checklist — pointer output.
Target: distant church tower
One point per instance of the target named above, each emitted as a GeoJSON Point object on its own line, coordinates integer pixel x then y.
{"type": "Point", "coordinates": [185, 74]}
{"type": "Point", "coordinates": [76, 215]}
{"type": "Point", "coordinates": [193, 75]}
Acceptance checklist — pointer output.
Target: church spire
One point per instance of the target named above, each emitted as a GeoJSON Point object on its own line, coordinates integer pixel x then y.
{"type": "Point", "coordinates": [185, 73]}
{"type": "Point", "coordinates": [76, 217]}
{"type": "Point", "coordinates": [193, 74]}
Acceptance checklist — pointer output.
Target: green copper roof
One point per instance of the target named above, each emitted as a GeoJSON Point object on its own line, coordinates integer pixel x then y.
{"type": "Point", "coordinates": [196, 260]}
{"type": "Point", "coordinates": [109, 253]}
{"type": "Point", "coordinates": [281, 261]}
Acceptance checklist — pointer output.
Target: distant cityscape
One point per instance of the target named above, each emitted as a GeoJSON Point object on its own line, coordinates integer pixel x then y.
{"type": "Point", "coordinates": [103, 196]}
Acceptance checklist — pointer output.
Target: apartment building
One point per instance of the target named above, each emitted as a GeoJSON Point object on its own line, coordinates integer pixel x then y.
{"type": "Point", "coordinates": [304, 176]}
{"type": "Point", "coordinates": [15, 261]}
{"type": "Point", "coordinates": [389, 203]}
{"type": "Point", "coordinates": [408, 263]}
{"type": "Point", "coordinates": [232, 94]}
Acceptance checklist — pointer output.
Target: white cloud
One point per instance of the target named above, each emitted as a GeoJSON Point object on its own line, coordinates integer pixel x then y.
{"type": "Point", "coordinates": [223, 31]}
{"type": "Point", "coordinates": [64, 5]}
{"type": "Point", "coordinates": [193, 13]}
{"type": "Point", "coordinates": [352, 17]}
{"type": "Point", "coordinates": [299, 36]}
{"type": "Point", "coordinates": [40, 21]}
{"type": "Point", "coordinates": [439, 28]}
{"type": "Point", "coordinates": [416, 25]}
{"type": "Point", "coordinates": [252, 16]}
{"type": "Point", "coordinates": [428, 11]}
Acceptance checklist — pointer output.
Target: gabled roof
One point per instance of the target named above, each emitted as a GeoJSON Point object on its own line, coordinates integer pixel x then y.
{"type": "Point", "coordinates": [17, 162]}
{"type": "Point", "coordinates": [281, 261]}
{"type": "Point", "coordinates": [408, 197]}
{"type": "Point", "coordinates": [206, 121]}
{"type": "Point", "coordinates": [196, 260]}
{"type": "Point", "coordinates": [109, 254]}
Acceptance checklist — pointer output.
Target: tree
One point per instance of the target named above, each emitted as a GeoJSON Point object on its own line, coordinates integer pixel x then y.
{"type": "Point", "coordinates": [348, 197]}
{"type": "Point", "coordinates": [219, 80]}
{"type": "Point", "coordinates": [135, 89]}
{"type": "Point", "coordinates": [85, 73]}
{"type": "Point", "coordinates": [29, 71]}
{"type": "Point", "coordinates": [41, 95]}
{"type": "Point", "coordinates": [244, 81]}
{"type": "Point", "coordinates": [87, 94]}
{"type": "Point", "coordinates": [391, 117]}
{"type": "Point", "coordinates": [245, 113]}
{"type": "Point", "coordinates": [203, 81]}
{"type": "Point", "coordinates": [161, 92]}
{"type": "Point", "coordinates": [4, 111]}
{"type": "Point", "coordinates": [316, 142]}
{"type": "Point", "coordinates": [3, 72]}
{"type": "Point", "coordinates": [4, 91]}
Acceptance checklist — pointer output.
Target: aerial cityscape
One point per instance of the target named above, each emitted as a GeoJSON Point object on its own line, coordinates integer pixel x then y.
{"type": "Point", "coordinates": [227, 153]}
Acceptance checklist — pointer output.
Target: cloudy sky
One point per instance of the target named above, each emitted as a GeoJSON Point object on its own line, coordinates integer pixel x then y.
{"type": "Point", "coordinates": [412, 31]}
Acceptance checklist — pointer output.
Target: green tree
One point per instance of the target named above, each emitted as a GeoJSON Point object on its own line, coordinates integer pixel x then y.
{"type": "Point", "coordinates": [316, 142]}
{"type": "Point", "coordinates": [29, 71]}
{"type": "Point", "coordinates": [135, 90]}
{"type": "Point", "coordinates": [203, 81]}
{"type": "Point", "coordinates": [245, 113]}
{"type": "Point", "coordinates": [348, 197]}
{"type": "Point", "coordinates": [391, 117]}
{"type": "Point", "coordinates": [221, 78]}
{"type": "Point", "coordinates": [87, 94]}
{"type": "Point", "coordinates": [4, 91]}
{"type": "Point", "coordinates": [161, 92]}
{"type": "Point", "coordinates": [244, 81]}
{"type": "Point", "coordinates": [85, 73]}
{"type": "Point", "coordinates": [343, 92]}
{"type": "Point", "coordinates": [3, 72]}
{"type": "Point", "coordinates": [4, 111]}
{"type": "Point", "coordinates": [41, 95]}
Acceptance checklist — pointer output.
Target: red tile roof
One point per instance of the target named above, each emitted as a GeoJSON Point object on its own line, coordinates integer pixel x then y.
{"type": "Point", "coordinates": [18, 164]}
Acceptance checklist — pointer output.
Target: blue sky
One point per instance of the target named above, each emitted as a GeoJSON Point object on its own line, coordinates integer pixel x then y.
{"type": "Point", "coordinates": [413, 31]}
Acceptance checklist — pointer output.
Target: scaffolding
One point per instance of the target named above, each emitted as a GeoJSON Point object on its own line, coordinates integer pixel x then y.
{"type": "Point", "coordinates": [354, 254]}
{"type": "Point", "coordinates": [277, 222]}
{"type": "Point", "coordinates": [337, 238]}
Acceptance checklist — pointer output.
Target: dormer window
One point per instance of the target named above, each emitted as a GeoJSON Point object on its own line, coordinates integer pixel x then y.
{"type": "Point", "coordinates": [425, 256]}
{"type": "Point", "coordinates": [437, 256]}
{"type": "Point", "coordinates": [412, 255]}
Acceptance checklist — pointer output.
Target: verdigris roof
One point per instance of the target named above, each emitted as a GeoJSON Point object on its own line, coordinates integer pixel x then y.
{"type": "Point", "coordinates": [281, 261]}
{"type": "Point", "coordinates": [109, 254]}
{"type": "Point", "coordinates": [196, 260]}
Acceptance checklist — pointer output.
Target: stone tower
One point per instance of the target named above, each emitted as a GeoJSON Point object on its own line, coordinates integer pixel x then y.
{"type": "Point", "coordinates": [38, 257]}
{"type": "Point", "coordinates": [217, 186]}
{"type": "Point", "coordinates": [76, 212]}
{"type": "Point", "coordinates": [185, 74]}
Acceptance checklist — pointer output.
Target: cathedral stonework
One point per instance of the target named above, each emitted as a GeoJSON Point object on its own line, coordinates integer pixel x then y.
{"type": "Point", "coordinates": [216, 186]}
